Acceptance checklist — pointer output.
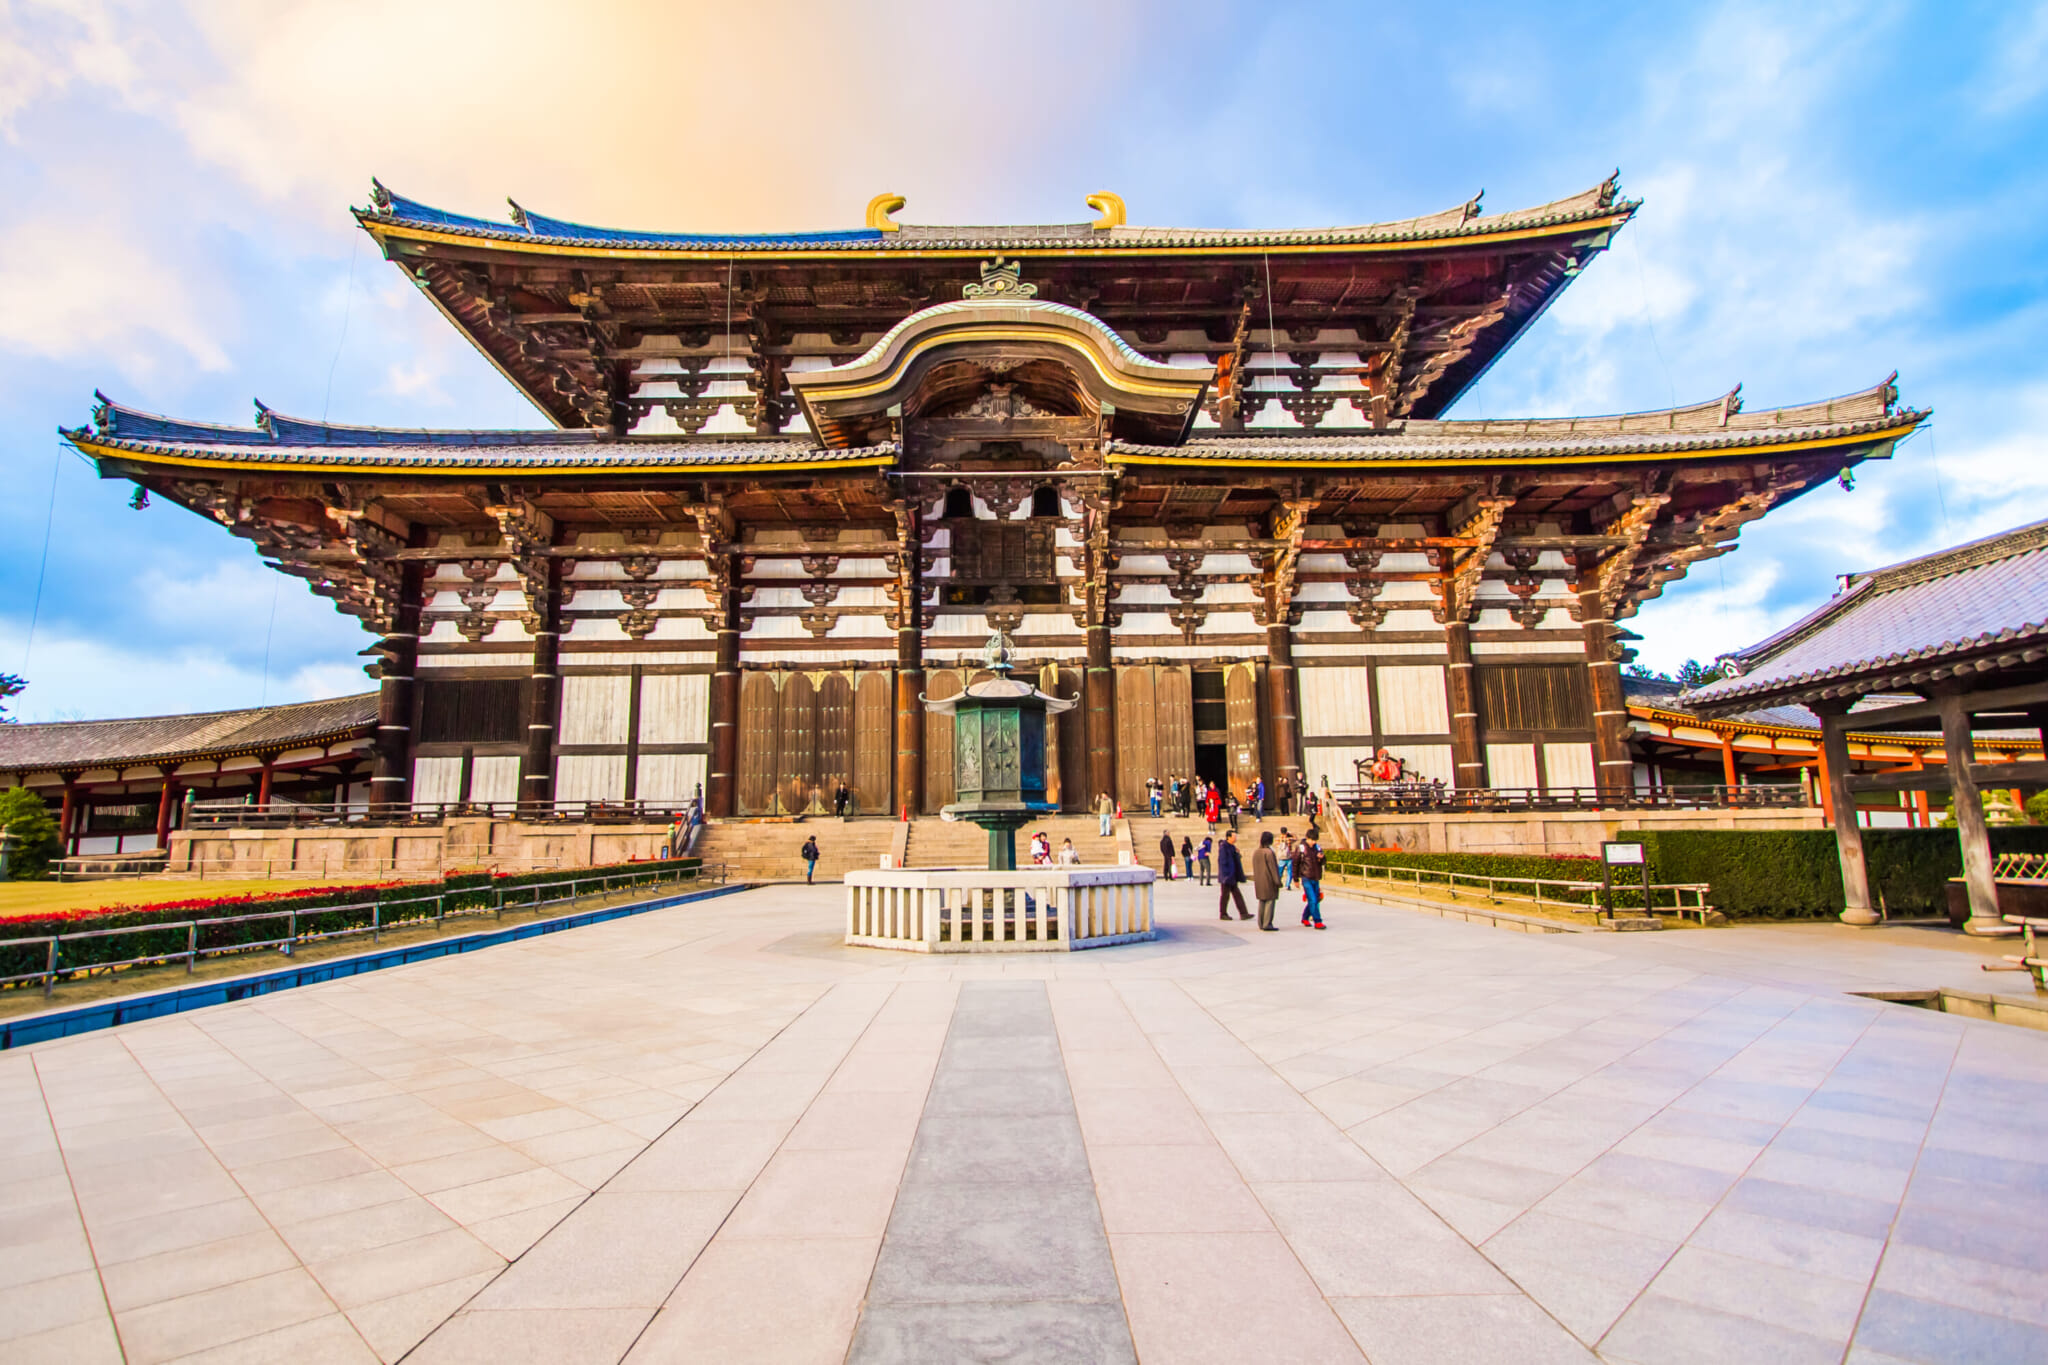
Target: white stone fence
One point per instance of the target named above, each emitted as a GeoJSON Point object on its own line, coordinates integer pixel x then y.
{"type": "Point", "coordinates": [1026, 911]}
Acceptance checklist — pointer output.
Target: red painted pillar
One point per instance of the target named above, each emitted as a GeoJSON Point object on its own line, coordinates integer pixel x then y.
{"type": "Point", "coordinates": [1730, 778]}
{"type": "Point", "coordinates": [263, 784]}
{"type": "Point", "coordinates": [163, 810]}
{"type": "Point", "coordinates": [65, 839]}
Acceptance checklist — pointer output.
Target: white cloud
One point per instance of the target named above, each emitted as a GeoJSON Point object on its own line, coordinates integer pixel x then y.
{"type": "Point", "coordinates": [2017, 70]}
{"type": "Point", "coordinates": [81, 286]}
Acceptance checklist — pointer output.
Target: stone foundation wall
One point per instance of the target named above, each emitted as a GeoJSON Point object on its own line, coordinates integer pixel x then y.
{"type": "Point", "coordinates": [1555, 831]}
{"type": "Point", "coordinates": [355, 849]}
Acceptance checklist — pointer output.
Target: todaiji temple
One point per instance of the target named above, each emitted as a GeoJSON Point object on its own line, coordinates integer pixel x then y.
{"type": "Point", "coordinates": [789, 483]}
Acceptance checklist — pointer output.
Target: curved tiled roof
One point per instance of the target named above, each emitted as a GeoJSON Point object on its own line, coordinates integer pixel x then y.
{"type": "Point", "coordinates": [1904, 625]}
{"type": "Point", "coordinates": [1464, 221]}
{"type": "Point", "coordinates": [1703, 427]}
{"type": "Point", "coordinates": [280, 441]}
{"type": "Point", "coordinates": [79, 744]}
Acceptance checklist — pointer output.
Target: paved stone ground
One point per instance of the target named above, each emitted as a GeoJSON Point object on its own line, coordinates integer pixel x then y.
{"type": "Point", "coordinates": [712, 1133]}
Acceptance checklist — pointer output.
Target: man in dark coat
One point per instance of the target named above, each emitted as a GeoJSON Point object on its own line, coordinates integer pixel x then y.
{"type": "Point", "coordinates": [1166, 853]}
{"type": "Point", "coordinates": [1308, 866]}
{"type": "Point", "coordinates": [1266, 880]}
{"type": "Point", "coordinates": [1229, 872]}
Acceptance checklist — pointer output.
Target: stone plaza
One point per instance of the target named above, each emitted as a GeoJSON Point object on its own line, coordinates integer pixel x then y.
{"type": "Point", "coordinates": [715, 1133]}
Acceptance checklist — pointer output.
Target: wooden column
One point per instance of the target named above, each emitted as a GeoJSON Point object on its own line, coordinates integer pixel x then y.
{"type": "Point", "coordinates": [66, 839]}
{"type": "Point", "coordinates": [1098, 689]}
{"type": "Point", "coordinates": [1971, 830]}
{"type": "Point", "coordinates": [1919, 818]}
{"type": "Point", "coordinates": [165, 801]}
{"type": "Point", "coordinates": [391, 774]}
{"type": "Point", "coordinates": [1613, 769]}
{"type": "Point", "coordinates": [1731, 777]}
{"type": "Point", "coordinates": [1283, 709]}
{"type": "Point", "coordinates": [1468, 757]}
{"type": "Point", "coordinates": [544, 691]}
{"type": "Point", "coordinates": [263, 782]}
{"type": "Point", "coordinates": [721, 792]}
{"type": "Point", "coordinates": [910, 682]}
{"type": "Point", "coordinates": [1841, 805]}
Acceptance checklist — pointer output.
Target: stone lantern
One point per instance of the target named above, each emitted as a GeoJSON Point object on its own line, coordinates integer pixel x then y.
{"type": "Point", "coordinates": [999, 752]}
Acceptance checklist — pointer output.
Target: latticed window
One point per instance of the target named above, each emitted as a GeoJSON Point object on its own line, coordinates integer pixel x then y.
{"type": "Point", "coordinates": [994, 552]}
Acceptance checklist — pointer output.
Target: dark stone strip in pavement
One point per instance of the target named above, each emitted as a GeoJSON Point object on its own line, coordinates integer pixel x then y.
{"type": "Point", "coordinates": [995, 1249]}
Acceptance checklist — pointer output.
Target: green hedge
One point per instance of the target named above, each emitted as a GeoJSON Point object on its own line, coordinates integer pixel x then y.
{"type": "Point", "coordinates": [1795, 873]}
{"type": "Point", "coordinates": [1543, 867]}
{"type": "Point", "coordinates": [401, 903]}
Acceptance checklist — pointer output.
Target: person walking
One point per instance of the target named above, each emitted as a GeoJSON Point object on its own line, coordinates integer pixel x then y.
{"type": "Point", "coordinates": [1187, 857]}
{"type": "Point", "coordinates": [1229, 872]}
{"type": "Point", "coordinates": [1152, 795]}
{"type": "Point", "coordinates": [1104, 809]}
{"type": "Point", "coordinates": [1308, 865]}
{"type": "Point", "coordinates": [1233, 814]}
{"type": "Point", "coordinates": [1259, 800]}
{"type": "Point", "coordinates": [840, 797]}
{"type": "Point", "coordinates": [1212, 809]}
{"type": "Point", "coordinates": [1166, 853]}
{"type": "Point", "coordinates": [1283, 849]}
{"type": "Point", "coordinates": [1266, 880]}
{"type": "Point", "coordinates": [1202, 859]}
{"type": "Point", "coordinates": [809, 853]}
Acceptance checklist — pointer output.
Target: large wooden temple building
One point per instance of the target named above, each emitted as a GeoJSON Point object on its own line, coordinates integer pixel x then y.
{"type": "Point", "coordinates": [792, 481]}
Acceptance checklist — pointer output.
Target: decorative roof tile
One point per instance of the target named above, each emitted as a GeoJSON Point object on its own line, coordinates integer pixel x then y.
{"type": "Point", "coordinates": [527, 227]}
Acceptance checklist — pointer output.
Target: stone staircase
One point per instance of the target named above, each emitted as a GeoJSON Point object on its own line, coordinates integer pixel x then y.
{"type": "Point", "coordinates": [755, 851]}
{"type": "Point", "coordinates": [956, 843]}
{"type": "Point", "coordinates": [1145, 832]}
{"type": "Point", "coordinates": [767, 850]}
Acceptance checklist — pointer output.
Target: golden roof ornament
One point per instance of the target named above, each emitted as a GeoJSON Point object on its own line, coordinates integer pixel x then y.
{"type": "Point", "coordinates": [1000, 280]}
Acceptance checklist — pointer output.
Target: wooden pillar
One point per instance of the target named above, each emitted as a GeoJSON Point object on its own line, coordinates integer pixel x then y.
{"type": "Point", "coordinates": [1841, 805]}
{"type": "Point", "coordinates": [1731, 778]}
{"type": "Point", "coordinates": [391, 775]}
{"type": "Point", "coordinates": [1467, 756]}
{"type": "Point", "coordinates": [910, 664]}
{"type": "Point", "coordinates": [1613, 769]}
{"type": "Point", "coordinates": [721, 792]}
{"type": "Point", "coordinates": [1281, 706]}
{"type": "Point", "coordinates": [544, 691]}
{"type": "Point", "coordinates": [1920, 815]}
{"type": "Point", "coordinates": [166, 799]}
{"type": "Point", "coordinates": [263, 782]}
{"type": "Point", "coordinates": [1971, 831]}
{"type": "Point", "coordinates": [1099, 690]}
{"type": "Point", "coordinates": [66, 838]}
{"type": "Point", "coordinates": [910, 713]}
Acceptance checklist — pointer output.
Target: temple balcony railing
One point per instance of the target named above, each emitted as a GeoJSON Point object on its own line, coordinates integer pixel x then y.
{"type": "Point", "coordinates": [1383, 797]}
{"type": "Point", "coordinates": [297, 815]}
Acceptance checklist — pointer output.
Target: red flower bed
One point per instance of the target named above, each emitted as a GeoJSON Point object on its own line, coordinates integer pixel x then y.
{"type": "Point", "coordinates": [205, 907]}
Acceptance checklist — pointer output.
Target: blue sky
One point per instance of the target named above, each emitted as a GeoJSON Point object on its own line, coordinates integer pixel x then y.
{"type": "Point", "coordinates": [1831, 192]}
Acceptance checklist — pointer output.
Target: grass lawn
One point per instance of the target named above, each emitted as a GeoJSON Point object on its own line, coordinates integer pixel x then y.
{"type": "Point", "coordinates": [103, 985]}
{"type": "Point", "coordinates": [29, 898]}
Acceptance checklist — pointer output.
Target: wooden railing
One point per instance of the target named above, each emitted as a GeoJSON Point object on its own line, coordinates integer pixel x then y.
{"type": "Point", "coordinates": [1028, 910]}
{"type": "Point", "coordinates": [1436, 796]}
{"type": "Point", "coordinates": [1664, 898]}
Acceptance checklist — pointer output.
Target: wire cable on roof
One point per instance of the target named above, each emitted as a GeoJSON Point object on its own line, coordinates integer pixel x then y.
{"type": "Point", "coordinates": [347, 306]}
{"type": "Point", "coordinates": [43, 564]}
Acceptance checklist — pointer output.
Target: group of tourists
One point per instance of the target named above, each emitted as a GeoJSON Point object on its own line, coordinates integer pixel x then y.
{"type": "Point", "coordinates": [1043, 856]}
{"type": "Point", "coordinates": [1274, 868]}
{"type": "Point", "coordinates": [1215, 802]}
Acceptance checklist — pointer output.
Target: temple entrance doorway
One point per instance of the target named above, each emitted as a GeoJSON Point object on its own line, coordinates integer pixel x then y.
{"type": "Point", "coordinates": [1212, 762]}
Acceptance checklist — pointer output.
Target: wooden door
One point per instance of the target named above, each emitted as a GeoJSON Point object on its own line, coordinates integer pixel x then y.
{"type": "Point", "coordinates": [1241, 706]}
{"type": "Point", "coordinates": [835, 734]}
{"type": "Point", "coordinates": [797, 772]}
{"type": "Point", "coordinates": [874, 743]}
{"type": "Point", "coordinates": [938, 741]}
{"type": "Point", "coordinates": [760, 733]}
{"type": "Point", "coordinates": [1173, 707]}
{"type": "Point", "coordinates": [1135, 735]}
